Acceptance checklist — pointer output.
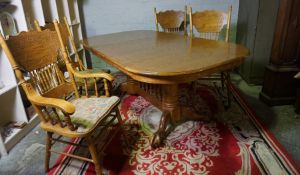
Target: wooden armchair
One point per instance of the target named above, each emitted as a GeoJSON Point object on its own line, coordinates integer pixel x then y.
{"type": "Point", "coordinates": [171, 21]}
{"type": "Point", "coordinates": [209, 24]}
{"type": "Point", "coordinates": [72, 55]}
{"type": "Point", "coordinates": [35, 54]}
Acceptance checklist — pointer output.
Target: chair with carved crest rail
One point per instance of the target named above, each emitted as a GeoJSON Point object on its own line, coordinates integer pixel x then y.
{"type": "Point", "coordinates": [171, 21]}
{"type": "Point", "coordinates": [35, 53]}
{"type": "Point", "coordinates": [73, 55]}
{"type": "Point", "coordinates": [71, 48]}
{"type": "Point", "coordinates": [209, 24]}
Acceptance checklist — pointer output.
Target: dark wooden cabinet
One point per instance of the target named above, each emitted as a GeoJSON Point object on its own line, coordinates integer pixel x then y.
{"type": "Point", "coordinates": [279, 86]}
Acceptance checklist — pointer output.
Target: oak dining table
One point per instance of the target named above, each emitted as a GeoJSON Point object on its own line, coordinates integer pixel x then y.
{"type": "Point", "coordinates": [157, 62]}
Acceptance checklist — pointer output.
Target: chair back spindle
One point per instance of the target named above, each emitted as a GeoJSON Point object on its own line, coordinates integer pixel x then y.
{"type": "Point", "coordinates": [35, 55]}
{"type": "Point", "coordinates": [65, 34]}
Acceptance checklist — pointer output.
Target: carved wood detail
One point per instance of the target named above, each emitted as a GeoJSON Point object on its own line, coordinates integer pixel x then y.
{"type": "Point", "coordinates": [171, 20]}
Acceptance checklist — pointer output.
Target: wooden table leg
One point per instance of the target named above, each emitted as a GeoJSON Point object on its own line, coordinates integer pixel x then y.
{"type": "Point", "coordinates": [170, 101]}
{"type": "Point", "coordinates": [171, 112]}
{"type": "Point", "coordinates": [129, 86]}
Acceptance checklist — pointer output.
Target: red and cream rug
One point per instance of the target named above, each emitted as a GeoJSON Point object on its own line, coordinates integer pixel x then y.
{"type": "Point", "coordinates": [233, 142]}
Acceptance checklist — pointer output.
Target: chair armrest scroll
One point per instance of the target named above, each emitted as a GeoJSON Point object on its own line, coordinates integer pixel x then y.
{"type": "Point", "coordinates": [63, 105]}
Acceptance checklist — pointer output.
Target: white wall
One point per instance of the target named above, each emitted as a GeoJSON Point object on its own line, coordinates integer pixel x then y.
{"type": "Point", "coordinates": [108, 16]}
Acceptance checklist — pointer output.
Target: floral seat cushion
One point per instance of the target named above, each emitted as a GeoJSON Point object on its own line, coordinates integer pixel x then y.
{"type": "Point", "coordinates": [90, 110]}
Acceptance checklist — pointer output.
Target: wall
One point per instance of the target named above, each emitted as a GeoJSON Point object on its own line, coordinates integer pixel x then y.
{"type": "Point", "coordinates": [256, 24]}
{"type": "Point", "coordinates": [108, 16]}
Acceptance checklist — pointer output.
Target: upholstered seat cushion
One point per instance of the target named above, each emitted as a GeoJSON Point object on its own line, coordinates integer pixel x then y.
{"type": "Point", "coordinates": [90, 110]}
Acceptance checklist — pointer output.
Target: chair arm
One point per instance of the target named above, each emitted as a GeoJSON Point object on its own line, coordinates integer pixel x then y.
{"type": "Point", "coordinates": [83, 74]}
{"type": "Point", "coordinates": [63, 105]}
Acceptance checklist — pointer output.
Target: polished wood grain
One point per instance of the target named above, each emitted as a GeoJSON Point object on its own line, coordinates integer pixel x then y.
{"type": "Point", "coordinates": [67, 39]}
{"type": "Point", "coordinates": [35, 54]}
{"type": "Point", "coordinates": [165, 58]}
{"type": "Point", "coordinates": [171, 20]}
{"type": "Point", "coordinates": [157, 62]}
{"type": "Point", "coordinates": [37, 26]}
{"type": "Point", "coordinates": [46, 50]}
{"type": "Point", "coordinates": [209, 23]}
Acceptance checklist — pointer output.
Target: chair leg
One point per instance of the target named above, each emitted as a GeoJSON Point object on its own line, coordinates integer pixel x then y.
{"type": "Point", "coordinates": [80, 90]}
{"type": "Point", "coordinates": [192, 87]}
{"type": "Point", "coordinates": [223, 80]}
{"type": "Point", "coordinates": [48, 153]}
{"type": "Point", "coordinates": [126, 141]}
{"type": "Point", "coordinates": [228, 80]}
{"type": "Point", "coordinates": [94, 155]}
{"type": "Point", "coordinates": [118, 116]}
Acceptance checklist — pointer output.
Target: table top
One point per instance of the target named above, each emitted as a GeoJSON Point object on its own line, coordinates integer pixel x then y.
{"type": "Point", "coordinates": [147, 53]}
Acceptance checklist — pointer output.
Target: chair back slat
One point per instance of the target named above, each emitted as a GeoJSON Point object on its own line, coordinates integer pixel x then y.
{"type": "Point", "coordinates": [49, 26]}
{"type": "Point", "coordinates": [171, 20]}
{"type": "Point", "coordinates": [210, 23]}
{"type": "Point", "coordinates": [34, 50]}
{"type": "Point", "coordinates": [36, 54]}
{"type": "Point", "coordinates": [68, 41]}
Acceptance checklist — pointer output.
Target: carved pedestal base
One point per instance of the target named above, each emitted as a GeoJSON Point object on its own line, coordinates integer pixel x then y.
{"type": "Point", "coordinates": [279, 86]}
{"type": "Point", "coordinates": [166, 98]}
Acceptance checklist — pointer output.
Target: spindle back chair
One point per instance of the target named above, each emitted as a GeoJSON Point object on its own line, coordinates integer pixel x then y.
{"type": "Point", "coordinates": [35, 54]}
{"type": "Point", "coordinates": [171, 21]}
{"type": "Point", "coordinates": [209, 24]}
{"type": "Point", "coordinates": [76, 62]}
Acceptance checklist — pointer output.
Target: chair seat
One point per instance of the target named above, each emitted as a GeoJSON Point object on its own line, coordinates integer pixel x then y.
{"type": "Point", "coordinates": [90, 111]}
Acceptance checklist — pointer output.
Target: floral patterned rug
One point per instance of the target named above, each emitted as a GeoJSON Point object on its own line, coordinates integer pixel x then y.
{"type": "Point", "coordinates": [233, 142]}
